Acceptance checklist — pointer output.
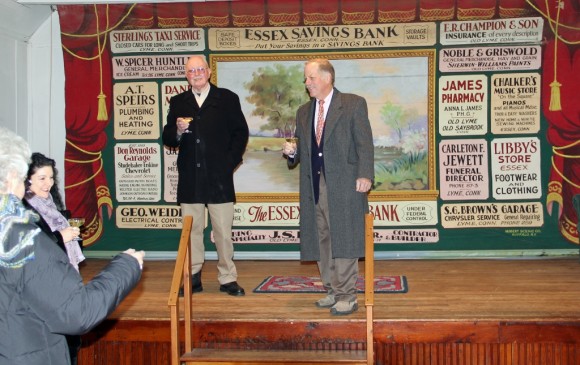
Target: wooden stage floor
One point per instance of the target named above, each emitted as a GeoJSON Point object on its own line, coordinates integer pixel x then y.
{"type": "Point", "coordinates": [450, 290]}
{"type": "Point", "coordinates": [522, 311]}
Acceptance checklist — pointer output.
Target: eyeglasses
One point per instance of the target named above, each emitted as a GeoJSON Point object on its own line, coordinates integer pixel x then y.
{"type": "Point", "coordinates": [199, 70]}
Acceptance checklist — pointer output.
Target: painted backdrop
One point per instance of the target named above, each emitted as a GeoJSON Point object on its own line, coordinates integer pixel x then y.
{"type": "Point", "coordinates": [121, 58]}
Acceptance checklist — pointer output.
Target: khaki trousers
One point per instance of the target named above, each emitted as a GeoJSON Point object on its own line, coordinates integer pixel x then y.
{"type": "Point", "coordinates": [221, 216]}
{"type": "Point", "coordinates": [338, 275]}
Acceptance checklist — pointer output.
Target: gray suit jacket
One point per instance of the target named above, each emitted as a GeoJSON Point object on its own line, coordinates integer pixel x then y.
{"type": "Point", "coordinates": [348, 155]}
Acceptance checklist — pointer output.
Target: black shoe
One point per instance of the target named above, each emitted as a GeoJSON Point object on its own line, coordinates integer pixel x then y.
{"type": "Point", "coordinates": [233, 289]}
{"type": "Point", "coordinates": [196, 286]}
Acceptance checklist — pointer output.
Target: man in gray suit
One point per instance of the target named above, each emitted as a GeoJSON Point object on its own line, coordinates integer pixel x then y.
{"type": "Point", "coordinates": [336, 155]}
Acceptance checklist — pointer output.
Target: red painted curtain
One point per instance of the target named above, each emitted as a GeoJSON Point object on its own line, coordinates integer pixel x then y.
{"type": "Point", "coordinates": [88, 93]}
{"type": "Point", "coordinates": [561, 107]}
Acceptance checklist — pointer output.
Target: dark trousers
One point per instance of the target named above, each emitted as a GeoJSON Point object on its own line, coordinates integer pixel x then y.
{"type": "Point", "coordinates": [74, 346]}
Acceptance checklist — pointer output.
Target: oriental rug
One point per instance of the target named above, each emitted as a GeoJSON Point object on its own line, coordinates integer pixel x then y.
{"type": "Point", "coordinates": [312, 284]}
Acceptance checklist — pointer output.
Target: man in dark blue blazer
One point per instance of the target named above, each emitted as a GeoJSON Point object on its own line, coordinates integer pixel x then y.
{"type": "Point", "coordinates": [336, 156]}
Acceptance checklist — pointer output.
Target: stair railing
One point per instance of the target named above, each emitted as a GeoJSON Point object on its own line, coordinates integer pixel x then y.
{"type": "Point", "coordinates": [181, 275]}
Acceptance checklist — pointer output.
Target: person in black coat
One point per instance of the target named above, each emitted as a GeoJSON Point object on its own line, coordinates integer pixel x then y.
{"type": "Point", "coordinates": [42, 296]}
{"type": "Point", "coordinates": [208, 126]}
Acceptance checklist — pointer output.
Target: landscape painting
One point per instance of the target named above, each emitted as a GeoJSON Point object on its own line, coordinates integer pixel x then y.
{"type": "Point", "coordinates": [399, 90]}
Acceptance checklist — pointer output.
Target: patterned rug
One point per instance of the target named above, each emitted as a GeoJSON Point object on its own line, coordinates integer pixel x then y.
{"type": "Point", "coordinates": [312, 284]}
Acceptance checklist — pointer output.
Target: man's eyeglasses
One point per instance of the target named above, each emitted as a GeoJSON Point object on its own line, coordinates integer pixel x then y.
{"type": "Point", "coordinates": [199, 70]}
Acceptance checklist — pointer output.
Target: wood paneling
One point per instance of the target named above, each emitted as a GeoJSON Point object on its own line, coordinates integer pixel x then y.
{"type": "Point", "coordinates": [457, 312]}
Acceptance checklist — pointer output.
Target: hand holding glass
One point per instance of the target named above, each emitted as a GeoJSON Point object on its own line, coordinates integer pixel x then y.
{"type": "Point", "coordinates": [76, 222]}
{"type": "Point", "coordinates": [290, 146]}
{"type": "Point", "coordinates": [187, 120]}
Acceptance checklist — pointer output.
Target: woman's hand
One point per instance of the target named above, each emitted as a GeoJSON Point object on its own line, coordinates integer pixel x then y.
{"type": "Point", "coordinates": [70, 233]}
{"type": "Point", "coordinates": [138, 255]}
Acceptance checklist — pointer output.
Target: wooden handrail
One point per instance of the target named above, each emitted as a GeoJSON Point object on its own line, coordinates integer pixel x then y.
{"type": "Point", "coordinates": [206, 356]}
{"type": "Point", "coordinates": [181, 274]}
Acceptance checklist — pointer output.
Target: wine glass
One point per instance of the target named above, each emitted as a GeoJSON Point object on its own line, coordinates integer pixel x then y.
{"type": "Point", "coordinates": [76, 222]}
{"type": "Point", "coordinates": [187, 120]}
{"type": "Point", "coordinates": [292, 139]}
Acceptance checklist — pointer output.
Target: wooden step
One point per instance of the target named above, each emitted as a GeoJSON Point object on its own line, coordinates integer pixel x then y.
{"type": "Point", "coordinates": [279, 357]}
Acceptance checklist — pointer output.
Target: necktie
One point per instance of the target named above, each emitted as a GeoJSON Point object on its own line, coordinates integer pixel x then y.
{"type": "Point", "coordinates": [320, 122]}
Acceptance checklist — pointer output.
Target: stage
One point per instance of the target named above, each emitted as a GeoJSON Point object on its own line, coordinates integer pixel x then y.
{"type": "Point", "coordinates": [517, 311]}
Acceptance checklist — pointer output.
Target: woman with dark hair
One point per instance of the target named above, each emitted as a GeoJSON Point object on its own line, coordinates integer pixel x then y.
{"type": "Point", "coordinates": [42, 297]}
{"type": "Point", "coordinates": [43, 196]}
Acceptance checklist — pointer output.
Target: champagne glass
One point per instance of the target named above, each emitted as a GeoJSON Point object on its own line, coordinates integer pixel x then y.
{"type": "Point", "coordinates": [76, 222]}
{"type": "Point", "coordinates": [292, 139]}
{"type": "Point", "coordinates": [187, 120]}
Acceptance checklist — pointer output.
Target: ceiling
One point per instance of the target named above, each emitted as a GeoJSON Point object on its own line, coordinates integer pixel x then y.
{"type": "Point", "coordinates": [21, 21]}
{"type": "Point", "coordinates": [72, 2]}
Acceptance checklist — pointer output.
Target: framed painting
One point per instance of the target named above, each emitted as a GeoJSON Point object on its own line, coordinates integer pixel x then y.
{"type": "Point", "coordinates": [398, 87]}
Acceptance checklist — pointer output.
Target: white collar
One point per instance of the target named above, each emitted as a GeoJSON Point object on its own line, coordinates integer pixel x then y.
{"type": "Point", "coordinates": [203, 92]}
{"type": "Point", "coordinates": [328, 98]}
